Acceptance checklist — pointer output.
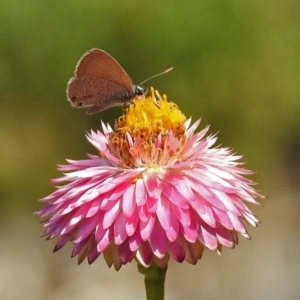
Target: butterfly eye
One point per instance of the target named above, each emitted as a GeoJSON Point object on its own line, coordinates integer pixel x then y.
{"type": "Point", "coordinates": [79, 104]}
{"type": "Point", "coordinates": [140, 90]}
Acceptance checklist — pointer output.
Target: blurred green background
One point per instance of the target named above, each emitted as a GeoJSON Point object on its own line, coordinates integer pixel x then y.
{"type": "Point", "coordinates": [236, 65]}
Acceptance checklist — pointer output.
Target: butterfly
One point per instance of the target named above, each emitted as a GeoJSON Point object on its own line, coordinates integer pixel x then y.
{"type": "Point", "coordinates": [100, 82]}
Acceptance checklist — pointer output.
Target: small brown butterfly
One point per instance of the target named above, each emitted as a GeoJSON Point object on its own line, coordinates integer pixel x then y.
{"type": "Point", "coordinates": [100, 82]}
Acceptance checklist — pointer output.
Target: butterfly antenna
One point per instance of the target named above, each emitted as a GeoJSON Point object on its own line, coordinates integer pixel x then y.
{"type": "Point", "coordinates": [164, 72]}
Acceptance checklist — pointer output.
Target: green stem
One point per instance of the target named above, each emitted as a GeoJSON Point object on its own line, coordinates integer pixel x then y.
{"type": "Point", "coordinates": [154, 281]}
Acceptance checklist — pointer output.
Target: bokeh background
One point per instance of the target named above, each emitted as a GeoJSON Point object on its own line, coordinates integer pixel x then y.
{"type": "Point", "coordinates": [236, 65]}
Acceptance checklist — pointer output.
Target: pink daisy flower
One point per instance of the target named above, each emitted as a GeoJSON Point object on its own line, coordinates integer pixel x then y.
{"type": "Point", "coordinates": [157, 189]}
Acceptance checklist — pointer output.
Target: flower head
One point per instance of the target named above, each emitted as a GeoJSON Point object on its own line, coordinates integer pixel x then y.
{"type": "Point", "coordinates": [156, 189]}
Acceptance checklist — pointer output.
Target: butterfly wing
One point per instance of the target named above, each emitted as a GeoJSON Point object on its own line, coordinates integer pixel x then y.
{"type": "Point", "coordinates": [97, 92]}
{"type": "Point", "coordinates": [99, 82]}
{"type": "Point", "coordinates": [99, 63]}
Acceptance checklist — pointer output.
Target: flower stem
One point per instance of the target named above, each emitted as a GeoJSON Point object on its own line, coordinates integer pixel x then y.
{"type": "Point", "coordinates": [154, 281]}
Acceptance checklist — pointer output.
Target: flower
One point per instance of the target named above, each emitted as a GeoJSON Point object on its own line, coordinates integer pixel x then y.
{"type": "Point", "coordinates": [156, 189]}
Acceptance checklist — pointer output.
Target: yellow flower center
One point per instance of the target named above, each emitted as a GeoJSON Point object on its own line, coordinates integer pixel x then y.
{"type": "Point", "coordinates": [146, 118]}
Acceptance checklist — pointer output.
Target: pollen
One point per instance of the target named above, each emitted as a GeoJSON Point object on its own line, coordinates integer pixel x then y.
{"type": "Point", "coordinates": [144, 120]}
{"type": "Point", "coordinates": [152, 114]}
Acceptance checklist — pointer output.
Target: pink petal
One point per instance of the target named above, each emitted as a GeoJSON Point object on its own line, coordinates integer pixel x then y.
{"type": "Point", "coordinates": [105, 241]}
{"type": "Point", "coordinates": [87, 229]}
{"type": "Point", "coordinates": [129, 201]}
{"type": "Point", "coordinates": [145, 254]}
{"type": "Point", "coordinates": [132, 223]}
{"type": "Point", "coordinates": [140, 192]}
{"type": "Point", "coordinates": [174, 195]}
{"type": "Point", "coordinates": [135, 242]}
{"type": "Point", "coordinates": [207, 237]}
{"type": "Point", "coordinates": [120, 233]}
{"type": "Point", "coordinates": [176, 251]}
{"type": "Point", "coordinates": [146, 228]}
{"type": "Point", "coordinates": [111, 215]}
{"type": "Point", "coordinates": [158, 241]}
{"type": "Point", "coordinates": [150, 180]}
{"type": "Point", "coordinates": [163, 212]}
{"type": "Point", "coordinates": [182, 215]}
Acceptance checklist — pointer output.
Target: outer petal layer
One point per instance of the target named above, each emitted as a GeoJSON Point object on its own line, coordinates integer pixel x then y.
{"type": "Point", "coordinates": [173, 200]}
